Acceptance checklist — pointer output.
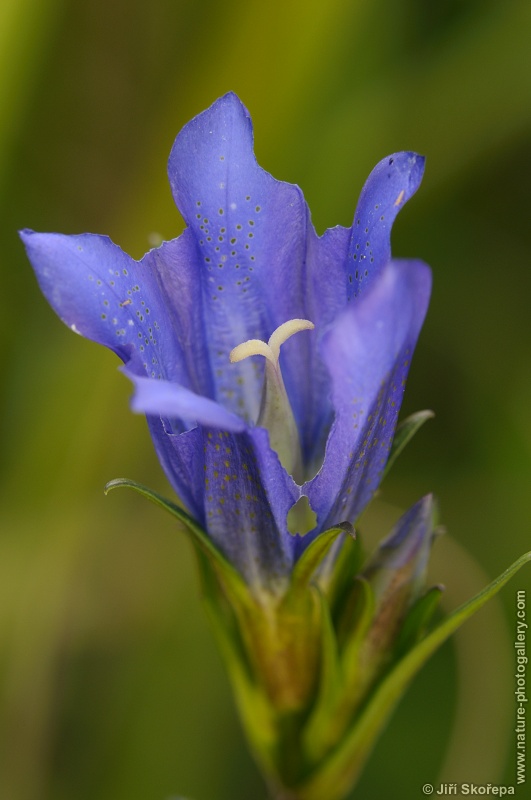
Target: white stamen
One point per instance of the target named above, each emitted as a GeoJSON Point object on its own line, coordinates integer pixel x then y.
{"type": "Point", "coordinates": [285, 331]}
{"type": "Point", "coordinates": [253, 347]}
{"type": "Point", "coordinates": [275, 411]}
{"type": "Point", "coordinates": [271, 350]}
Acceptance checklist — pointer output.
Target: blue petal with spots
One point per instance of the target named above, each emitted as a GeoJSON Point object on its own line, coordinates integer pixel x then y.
{"type": "Point", "coordinates": [367, 352]}
{"type": "Point", "coordinates": [248, 261]}
{"type": "Point", "coordinates": [391, 183]}
{"type": "Point", "coordinates": [103, 294]}
{"type": "Point", "coordinates": [249, 233]}
{"type": "Point", "coordinates": [247, 498]}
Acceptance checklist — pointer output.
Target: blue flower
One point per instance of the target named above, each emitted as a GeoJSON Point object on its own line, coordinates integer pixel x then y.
{"type": "Point", "coordinates": [311, 414]}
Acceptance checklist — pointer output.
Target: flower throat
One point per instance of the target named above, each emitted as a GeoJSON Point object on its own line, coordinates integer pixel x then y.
{"type": "Point", "coordinates": [276, 414]}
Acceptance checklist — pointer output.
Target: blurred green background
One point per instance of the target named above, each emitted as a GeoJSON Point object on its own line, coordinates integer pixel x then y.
{"type": "Point", "coordinates": [110, 685]}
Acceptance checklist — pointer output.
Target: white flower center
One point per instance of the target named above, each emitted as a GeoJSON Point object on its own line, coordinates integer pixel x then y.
{"type": "Point", "coordinates": [275, 411]}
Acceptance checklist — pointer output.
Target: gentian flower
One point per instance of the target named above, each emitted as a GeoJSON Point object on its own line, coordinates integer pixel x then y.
{"type": "Point", "coordinates": [271, 365]}
{"type": "Point", "coordinates": [312, 417]}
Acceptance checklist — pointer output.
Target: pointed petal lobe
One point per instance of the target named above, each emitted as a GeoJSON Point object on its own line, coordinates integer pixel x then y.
{"type": "Point", "coordinates": [391, 183]}
{"type": "Point", "coordinates": [174, 401]}
{"type": "Point", "coordinates": [367, 353]}
{"type": "Point", "coordinates": [249, 234]}
{"type": "Point", "coordinates": [103, 294]}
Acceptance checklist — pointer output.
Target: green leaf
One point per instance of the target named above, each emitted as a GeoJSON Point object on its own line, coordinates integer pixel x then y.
{"type": "Point", "coordinates": [232, 580]}
{"type": "Point", "coordinates": [404, 433]}
{"type": "Point", "coordinates": [359, 613]}
{"type": "Point", "coordinates": [336, 575]}
{"type": "Point", "coordinates": [229, 605]}
{"type": "Point", "coordinates": [255, 712]}
{"type": "Point", "coordinates": [339, 686]}
{"type": "Point", "coordinates": [330, 686]}
{"type": "Point", "coordinates": [336, 776]}
{"type": "Point", "coordinates": [313, 555]}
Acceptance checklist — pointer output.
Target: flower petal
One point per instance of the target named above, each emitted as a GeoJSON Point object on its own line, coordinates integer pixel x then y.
{"type": "Point", "coordinates": [181, 457]}
{"type": "Point", "coordinates": [391, 183]}
{"type": "Point", "coordinates": [249, 233]}
{"type": "Point", "coordinates": [236, 488]}
{"type": "Point", "coordinates": [103, 294]}
{"type": "Point", "coordinates": [338, 265]}
{"type": "Point", "coordinates": [325, 295]}
{"type": "Point", "coordinates": [367, 352]}
{"type": "Point", "coordinates": [397, 570]}
{"type": "Point", "coordinates": [248, 261]}
{"type": "Point", "coordinates": [174, 264]}
{"type": "Point", "coordinates": [166, 399]}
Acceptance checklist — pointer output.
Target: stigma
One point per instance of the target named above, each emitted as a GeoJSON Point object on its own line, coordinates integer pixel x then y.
{"type": "Point", "coordinates": [276, 414]}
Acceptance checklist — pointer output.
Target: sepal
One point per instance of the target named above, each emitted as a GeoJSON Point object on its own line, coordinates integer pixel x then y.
{"type": "Point", "coordinates": [335, 775]}
{"type": "Point", "coordinates": [343, 560]}
{"type": "Point", "coordinates": [318, 667]}
{"type": "Point", "coordinates": [330, 685]}
{"type": "Point", "coordinates": [418, 618]}
{"type": "Point", "coordinates": [339, 671]}
{"type": "Point", "coordinates": [313, 557]}
{"type": "Point", "coordinates": [252, 702]}
{"type": "Point", "coordinates": [290, 645]}
{"type": "Point", "coordinates": [368, 627]}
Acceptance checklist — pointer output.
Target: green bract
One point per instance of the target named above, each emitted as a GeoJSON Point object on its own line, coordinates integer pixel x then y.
{"type": "Point", "coordinates": [317, 672]}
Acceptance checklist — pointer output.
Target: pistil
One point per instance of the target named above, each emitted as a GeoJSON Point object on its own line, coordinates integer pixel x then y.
{"type": "Point", "coordinates": [275, 410]}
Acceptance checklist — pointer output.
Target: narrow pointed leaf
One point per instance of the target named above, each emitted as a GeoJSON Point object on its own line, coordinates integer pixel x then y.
{"type": "Point", "coordinates": [312, 557]}
{"type": "Point", "coordinates": [360, 610]}
{"type": "Point", "coordinates": [330, 685]}
{"type": "Point", "coordinates": [343, 561]}
{"type": "Point", "coordinates": [352, 633]}
{"type": "Point", "coordinates": [231, 578]}
{"type": "Point", "coordinates": [342, 767]}
{"type": "Point", "coordinates": [251, 702]}
{"type": "Point", "coordinates": [418, 619]}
